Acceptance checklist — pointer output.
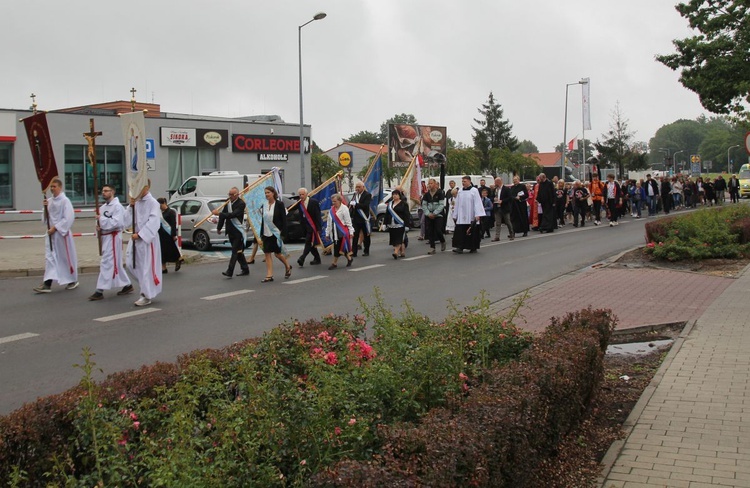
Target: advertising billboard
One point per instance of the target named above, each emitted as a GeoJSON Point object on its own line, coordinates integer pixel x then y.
{"type": "Point", "coordinates": [405, 140]}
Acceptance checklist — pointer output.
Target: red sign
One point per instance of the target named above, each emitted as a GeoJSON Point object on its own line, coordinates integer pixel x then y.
{"type": "Point", "coordinates": [267, 144]}
{"type": "Point", "coordinates": [747, 142]}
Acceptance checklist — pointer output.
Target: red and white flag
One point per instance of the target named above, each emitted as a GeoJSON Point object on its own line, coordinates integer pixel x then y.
{"type": "Point", "coordinates": [573, 144]}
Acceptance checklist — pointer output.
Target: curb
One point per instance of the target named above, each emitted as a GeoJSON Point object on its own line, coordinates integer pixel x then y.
{"type": "Point", "coordinates": [615, 449]}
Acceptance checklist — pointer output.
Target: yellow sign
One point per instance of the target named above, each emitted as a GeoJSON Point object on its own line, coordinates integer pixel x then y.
{"type": "Point", "coordinates": [695, 159]}
{"type": "Point", "coordinates": [345, 159]}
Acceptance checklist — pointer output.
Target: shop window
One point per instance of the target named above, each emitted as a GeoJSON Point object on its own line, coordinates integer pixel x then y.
{"type": "Point", "coordinates": [185, 162]}
{"type": "Point", "coordinates": [6, 175]}
{"type": "Point", "coordinates": [79, 175]}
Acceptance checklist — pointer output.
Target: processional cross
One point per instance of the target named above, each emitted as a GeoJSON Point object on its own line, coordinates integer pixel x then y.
{"type": "Point", "coordinates": [91, 136]}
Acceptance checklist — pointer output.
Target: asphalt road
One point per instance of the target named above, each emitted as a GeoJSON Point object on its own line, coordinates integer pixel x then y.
{"type": "Point", "coordinates": [42, 336]}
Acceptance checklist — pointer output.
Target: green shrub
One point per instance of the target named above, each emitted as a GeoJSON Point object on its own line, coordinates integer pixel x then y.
{"type": "Point", "coordinates": [709, 233]}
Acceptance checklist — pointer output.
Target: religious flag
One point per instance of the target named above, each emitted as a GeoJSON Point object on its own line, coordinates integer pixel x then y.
{"type": "Point", "coordinates": [411, 184]}
{"type": "Point", "coordinates": [573, 144]}
{"type": "Point", "coordinates": [586, 104]}
{"type": "Point", "coordinates": [254, 196]}
{"type": "Point", "coordinates": [323, 195]}
{"type": "Point", "coordinates": [373, 182]}
{"type": "Point", "coordinates": [134, 134]}
{"type": "Point", "coordinates": [41, 149]}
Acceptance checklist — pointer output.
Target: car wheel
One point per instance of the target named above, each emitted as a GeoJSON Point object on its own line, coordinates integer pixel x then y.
{"type": "Point", "coordinates": [201, 241]}
{"type": "Point", "coordinates": [381, 220]}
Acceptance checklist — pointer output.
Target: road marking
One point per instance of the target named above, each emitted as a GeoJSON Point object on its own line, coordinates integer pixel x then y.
{"type": "Point", "coordinates": [373, 266]}
{"type": "Point", "coordinates": [126, 315]}
{"type": "Point", "coordinates": [17, 337]}
{"type": "Point", "coordinates": [225, 295]}
{"type": "Point", "coordinates": [303, 280]}
{"type": "Point", "coordinates": [416, 257]}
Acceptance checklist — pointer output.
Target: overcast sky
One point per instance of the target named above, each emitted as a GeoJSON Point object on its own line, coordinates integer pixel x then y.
{"type": "Point", "coordinates": [366, 61]}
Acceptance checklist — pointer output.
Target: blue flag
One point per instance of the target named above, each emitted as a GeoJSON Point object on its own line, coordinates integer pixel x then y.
{"type": "Point", "coordinates": [373, 184]}
{"type": "Point", "coordinates": [323, 196]}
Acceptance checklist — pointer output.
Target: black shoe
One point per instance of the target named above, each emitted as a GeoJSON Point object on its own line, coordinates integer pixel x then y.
{"type": "Point", "coordinates": [244, 272]}
{"type": "Point", "coordinates": [125, 290]}
{"type": "Point", "coordinates": [301, 262]}
{"type": "Point", "coordinates": [458, 251]}
{"type": "Point", "coordinates": [178, 264]}
{"type": "Point", "coordinates": [164, 271]}
{"type": "Point", "coordinates": [365, 253]}
{"type": "Point", "coordinates": [525, 234]}
{"type": "Point", "coordinates": [227, 274]}
{"type": "Point", "coordinates": [313, 262]}
{"type": "Point", "coordinates": [96, 296]}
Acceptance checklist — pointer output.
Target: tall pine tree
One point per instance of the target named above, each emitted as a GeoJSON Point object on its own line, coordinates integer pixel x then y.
{"type": "Point", "coordinates": [493, 132]}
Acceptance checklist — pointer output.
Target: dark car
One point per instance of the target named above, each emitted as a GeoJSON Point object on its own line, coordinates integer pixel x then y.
{"type": "Point", "coordinates": [295, 228]}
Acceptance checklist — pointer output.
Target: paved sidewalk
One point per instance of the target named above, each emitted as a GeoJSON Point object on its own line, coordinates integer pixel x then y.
{"type": "Point", "coordinates": [693, 430]}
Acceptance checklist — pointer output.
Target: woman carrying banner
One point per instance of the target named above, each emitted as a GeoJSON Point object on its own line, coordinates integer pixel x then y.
{"type": "Point", "coordinates": [339, 230]}
{"type": "Point", "coordinates": [397, 218]}
{"type": "Point", "coordinates": [273, 227]}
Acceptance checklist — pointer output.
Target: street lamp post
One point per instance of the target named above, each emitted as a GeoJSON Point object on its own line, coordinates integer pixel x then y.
{"type": "Point", "coordinates": [674, 161]}
{"type": "Point", "coordinates": [318, 16]}
{"type": "Point", "coordinates": [565, 128]}
{"type": "Point", "coordinates": [729, 162]}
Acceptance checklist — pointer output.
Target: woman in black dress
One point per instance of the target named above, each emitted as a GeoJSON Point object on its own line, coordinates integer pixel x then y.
{"type": "Point", "coordinates": [272, 230]}
{"type": "Point", "coordinates": [168, 237]}
{"type": "Point", "coordinates": [397, 219]}
{"type": "Point", "coordinates": [519, 215]}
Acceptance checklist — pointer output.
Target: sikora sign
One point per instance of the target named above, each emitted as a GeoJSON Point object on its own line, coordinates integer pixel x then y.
{"type": "Point", "coordinates": [267, 144]}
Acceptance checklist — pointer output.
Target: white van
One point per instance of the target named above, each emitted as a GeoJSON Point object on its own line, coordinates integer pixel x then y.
{"type": "Point", "coordinates": [215, 184]}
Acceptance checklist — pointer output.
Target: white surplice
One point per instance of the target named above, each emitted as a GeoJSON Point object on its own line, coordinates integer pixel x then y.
{"type": "Point", "coordinates": [61, 260]}
{"type": "Point", "coordinates": [112, 223]}
{"type": "Point", "coordinates": [147, 271]}
{"type": "Point", "coordinates": [468, 206]}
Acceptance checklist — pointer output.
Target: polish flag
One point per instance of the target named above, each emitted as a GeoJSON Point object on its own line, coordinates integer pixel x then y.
{"type": "Point", "coordinates": [573, 144]}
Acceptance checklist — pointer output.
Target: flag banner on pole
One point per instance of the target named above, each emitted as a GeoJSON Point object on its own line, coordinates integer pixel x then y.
{"type": "Point", "coordinates": [373, 183]}
{"type": "Point", "coordinates": [323, 195]}
{"type": "Point", "coordinates": [573, 144]}
{"type": "Point", "coordinates": [412, 184]}
{"type": "Point", "coordinates": [586, 104]}
{"type": "Point", "coordinates": [41, 148]}
{"type": "Point", "coordinates": [254, 196]}
{"type": "Point", "coordinates": [134, 134]}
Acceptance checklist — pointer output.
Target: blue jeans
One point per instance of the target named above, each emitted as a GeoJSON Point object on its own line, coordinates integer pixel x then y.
{"type": "Point", "coordinates": [677, 199]}
{"type": "Point", "coordinates": [651, 204]}
{"type": "Point", "coordinates": [637, 207]}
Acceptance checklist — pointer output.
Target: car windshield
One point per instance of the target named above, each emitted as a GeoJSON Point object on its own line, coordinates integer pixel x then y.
{"type": "Point", "coordinates": [745, 174]}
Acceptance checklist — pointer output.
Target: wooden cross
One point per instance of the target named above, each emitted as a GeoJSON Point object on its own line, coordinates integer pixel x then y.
{"type": "Point", "coordinates": [91, 136]}
{"type": "Point", "coordinates": [132, 99]}
{"type": "Point", "coordinates": [33, 103]}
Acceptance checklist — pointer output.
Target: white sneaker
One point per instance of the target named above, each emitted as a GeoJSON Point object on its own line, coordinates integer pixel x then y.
{"type": "Point", "coordinates": [611, 224]}
{"type": "Point", "coordinates": [616, 223]}
{"type": "Point", "coordinates": [71, 286]}
{"type": "Point", "coordinates": [142, 302]}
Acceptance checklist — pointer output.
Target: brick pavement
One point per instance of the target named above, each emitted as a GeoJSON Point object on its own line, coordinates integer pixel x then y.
{"type": "Point", "coordinates": [693, 428]}
{"type": "Point", "coordinates": [638, 297]}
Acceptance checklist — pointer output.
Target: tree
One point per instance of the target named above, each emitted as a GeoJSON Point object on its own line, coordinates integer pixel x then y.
{"type": "Point", "coordinates": [396, 119]}
{"type": "Point", "coordinates": [506, 161]}
{"type": "Point", "coordinates": [493, 132]}
{"type": "Point", "coordinates": [322, 167]}
{"type": "Point", "coordinates": [681, 135]}
{"type": "Point", "coordinates": [615, 150]}
{"type": "Point", "coordinates": [575, 156]}
{"type": "Point", "coordinates": [526, 147]}
{"type": "Point", "coordinates": [365, 137]}
{"type": "Point", "coordinates": [463, 161]}
{"type": "Point", "coordinates": [714, 64]}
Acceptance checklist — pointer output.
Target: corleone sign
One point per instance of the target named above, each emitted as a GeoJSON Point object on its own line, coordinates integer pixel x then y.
{"type": "Point", "coordinates": [267, 144]}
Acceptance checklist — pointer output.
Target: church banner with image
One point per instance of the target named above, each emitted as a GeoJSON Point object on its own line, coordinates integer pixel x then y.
{"type": "Point", "coordinates": [134, 135]}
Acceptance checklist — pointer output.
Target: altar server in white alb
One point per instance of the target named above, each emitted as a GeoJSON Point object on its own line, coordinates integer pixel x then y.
{"type": "Point", "coordinates": [61, 260]}
{"type": "Point", "coordinates": [145, 241]}
{"type": "Point", "coordinates": [110, 223]}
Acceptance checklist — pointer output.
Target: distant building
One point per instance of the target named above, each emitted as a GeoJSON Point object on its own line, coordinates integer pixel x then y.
{"type": "Point", "coordinates": [179, 146]}
{"type": "Point", "coordinates": [361, 155]}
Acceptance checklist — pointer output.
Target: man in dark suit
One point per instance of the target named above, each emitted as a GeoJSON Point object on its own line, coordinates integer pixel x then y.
{"type": "Point", "coordinates": [359, 209]}
{"type": "Point", "coordinates": [502, 206]}
{"type": "Point", "coordinates": [232, 218]}
{"type": "Point", "coordinates": [734, 188]}
{"type": "Point", "coordinates": [310, 211]}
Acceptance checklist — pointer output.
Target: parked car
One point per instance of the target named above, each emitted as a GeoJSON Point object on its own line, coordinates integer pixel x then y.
{"type": "Point", "coordinates": [193, 210]}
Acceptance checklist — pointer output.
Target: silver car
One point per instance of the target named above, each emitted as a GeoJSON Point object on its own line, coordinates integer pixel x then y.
{"type": "Point", "coordinates": [383, 208]}
{"type": "Point", "coordinates": [193, 210]}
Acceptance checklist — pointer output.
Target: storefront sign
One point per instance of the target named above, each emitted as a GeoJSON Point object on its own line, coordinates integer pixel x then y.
{"type": "Point", "coordinates": [273, 157]}
{"type": "Point", "coordinates": [212, 138]}
{"type": "Point", "coordinates": [267, 144]}
{"type": "Point", "coordinates": [174, 137]}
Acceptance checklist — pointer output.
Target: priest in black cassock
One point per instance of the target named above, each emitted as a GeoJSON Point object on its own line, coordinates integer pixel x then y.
{"type": "Point", "coordinates": [467, 212]}
{"type": "Point", "coordinates": [545, 196]}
